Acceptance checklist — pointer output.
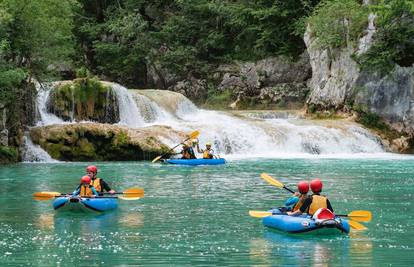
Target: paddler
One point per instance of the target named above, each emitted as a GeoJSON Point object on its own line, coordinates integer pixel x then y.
{"type": "Point", "coordinates": [314, 202]}
{"type": "Point", "coordinates": [208, 153]}
{"type": "Point", "coordinates": [99, 184]}
{"type": "Point", "coordinates": [85, 189]}
{"type": "Point", "coordinates": [187, 152]}
{"type": "Point", "coordinates": [296, 201]}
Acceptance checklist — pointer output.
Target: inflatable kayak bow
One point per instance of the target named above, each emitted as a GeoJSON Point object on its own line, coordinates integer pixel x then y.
{"type": "Point", "coordinates": [76, 203]}
{"type": "Point", "coordinates": [195, 162]}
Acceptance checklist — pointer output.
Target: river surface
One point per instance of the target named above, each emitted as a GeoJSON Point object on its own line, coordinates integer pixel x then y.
{"type": "Point", "coordinates": [199, 215]}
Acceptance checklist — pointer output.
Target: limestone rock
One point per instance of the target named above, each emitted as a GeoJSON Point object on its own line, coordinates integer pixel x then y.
{"type": "Point", "coordinates": [94, 141]}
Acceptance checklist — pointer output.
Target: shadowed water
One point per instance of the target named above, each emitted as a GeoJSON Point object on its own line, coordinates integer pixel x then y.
{"type": "Point", "coordinates": [199, 215]}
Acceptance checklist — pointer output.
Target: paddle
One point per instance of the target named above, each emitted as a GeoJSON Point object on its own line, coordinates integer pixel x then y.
{"type": "Point", "coordinates": [191, 136]}
{"type": "Point", "coordinates": [357, 226]}
{"type": "Point", "coordinates": [129, 194]}
{"type": "Point", "coordinates": [261, 214]}
{"type": "Point", "coordinates": [274, 182]}
{"type": "Point", "coordinates": [358, 215]}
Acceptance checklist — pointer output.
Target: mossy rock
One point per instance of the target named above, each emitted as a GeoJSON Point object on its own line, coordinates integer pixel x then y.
{"type": "Point", "coordinates": [8, 155]}
{"type": "Point", "coordinates": [101, 142]}
{"type": "Point", "coordinates": [84, 99]}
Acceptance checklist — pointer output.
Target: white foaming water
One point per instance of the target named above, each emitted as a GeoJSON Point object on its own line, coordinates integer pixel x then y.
{"type": "Point", "coordinates": [236, 136]}
{"type": "Point", "coordinates": [46, 118]}
{"type": "Point", "coordinates": [129, 113]}
{"type": "Point", "coordinates": [34, 153]}
{"type": "Point", "coordinates": [150, 111]}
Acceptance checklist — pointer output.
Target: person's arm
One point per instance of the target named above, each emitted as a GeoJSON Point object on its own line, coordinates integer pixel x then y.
{"type": "Point", "coordinates": [94, 191]}
{"type": "Point", "coordinates": [77, 191]}
{"type": "Point", "coordinates": [198, 149]}
{"type": "Point", "coordinates": [291, 201]}
{"type": "Point", "coordinates": [328, 205]}
{"type": "Point", "coordinates": [106, 187]}
{"type": "Point", "coordinates": [303, 208]}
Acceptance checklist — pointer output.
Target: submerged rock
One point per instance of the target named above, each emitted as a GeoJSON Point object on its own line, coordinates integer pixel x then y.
{"type": "Point", "coordinates": [101, 142]}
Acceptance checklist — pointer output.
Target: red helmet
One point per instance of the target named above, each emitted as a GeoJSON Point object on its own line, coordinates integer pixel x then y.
{"type": "Point", "coordinates": [92, 168]}
{"type": "Point", "coordinates": [316, 185]}
{"type": "Point", "coordinates": [303, 187]}
{"type": "Point", "coordinates": [85, 180]}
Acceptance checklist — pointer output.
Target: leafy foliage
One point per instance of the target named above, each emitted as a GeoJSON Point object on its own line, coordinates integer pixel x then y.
{"type": "Point", "coordinates": [394, 41]}
{"type": "Point", "coordinates": [337, 23]}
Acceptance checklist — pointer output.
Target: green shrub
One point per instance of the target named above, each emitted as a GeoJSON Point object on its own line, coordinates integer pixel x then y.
{"type": "Point", "coordinates": [394, 40]}
{"type": "Point", "coordinates": [8, 154]}
{"type": "Point", "coordinates": [337, 22]}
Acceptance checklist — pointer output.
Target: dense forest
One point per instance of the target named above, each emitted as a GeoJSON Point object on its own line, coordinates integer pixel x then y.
{"type": "Point", "coordinates": [122, 40]}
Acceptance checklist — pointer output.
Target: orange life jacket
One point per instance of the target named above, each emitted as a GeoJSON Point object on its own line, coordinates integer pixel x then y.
{"type": "Point", "coordinates": [97, 184]}
{"type": "Point", "coordinates": [300, 202]}
{"type": "Point", "coordinates": [317, 203]}
{"type": "Point", "coordinates": [85, 190]}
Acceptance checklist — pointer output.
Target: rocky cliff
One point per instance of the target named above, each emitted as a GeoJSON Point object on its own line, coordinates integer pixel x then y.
{"type": "Point", "coordinates": [338, 83]}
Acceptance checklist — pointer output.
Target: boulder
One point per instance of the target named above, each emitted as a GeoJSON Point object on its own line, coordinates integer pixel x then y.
{"type": "Point", "coordinates": [101, 142]}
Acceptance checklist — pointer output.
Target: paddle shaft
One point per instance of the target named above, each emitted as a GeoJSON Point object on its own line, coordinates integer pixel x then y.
{"type": "Point", "coordinates": [291, 191]}
{"type": "Point", "coordinates": [171, 149]}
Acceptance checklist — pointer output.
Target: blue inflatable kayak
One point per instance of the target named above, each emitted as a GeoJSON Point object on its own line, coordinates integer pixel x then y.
{"type": "Point", "coordinates": [76, 203]}
{"type": "Point", "coordinates": [305, 223]}
{"type": "Point", "coordinates": [196, 161]}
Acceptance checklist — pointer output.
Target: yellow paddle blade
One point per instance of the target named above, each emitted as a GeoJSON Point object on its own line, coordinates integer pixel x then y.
{"type": "Point", "coordinates": [271, 180]}
{"type": "Point", "coordinates": [45, 195]}
{"type": "Point", "coordinates": [360, 215]}
{"type": "Point", "coordinates": [128, 198]}
{"type": "Point", "coordinates": [194, 134]}
{"type": "Point", "coordinates": [156, 159]}
{"type": "Point", "coordinates": [133, 193]}
{"type": "Point", "coordinates": [259, 214]}
{"type": "Point", "coordinates": [356, 225]}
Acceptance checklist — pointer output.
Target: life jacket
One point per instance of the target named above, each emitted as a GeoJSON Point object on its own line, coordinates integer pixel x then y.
{"type": "Point", "coordinates": [97, 184]}
{"type": "Point", "coordinates": [186, 154]}
{"type": "Point", "coordinates": [85, 190]}
{"type": "Point", "coordinates": [207, 155]}
{"type": "Point", "coordinates": [300, 202]}
{"type": "Point", "coordinates": [318, 202]}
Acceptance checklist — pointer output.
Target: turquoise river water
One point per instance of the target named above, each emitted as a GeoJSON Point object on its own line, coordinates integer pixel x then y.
{"type": "Point", "coordinates": [199, 215]}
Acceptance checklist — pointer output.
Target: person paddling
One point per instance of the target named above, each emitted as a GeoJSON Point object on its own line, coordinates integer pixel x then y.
{"type": "Point", "coordinates": [187, 152]}
{"type": "Point", "coordinates": [99, 184]}
{"type": "Point", "coordinates": [296, 201]}
{"type": "Point", "coordinates": [85, 189]}
{"type": "Point", "coordinates": [314, 202]}
{"type": "Point", "coordinates": [208, 153]}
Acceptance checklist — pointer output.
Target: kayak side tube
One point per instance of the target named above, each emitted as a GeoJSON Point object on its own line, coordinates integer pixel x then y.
{"type": "Point", "coordinates": [301, 224]}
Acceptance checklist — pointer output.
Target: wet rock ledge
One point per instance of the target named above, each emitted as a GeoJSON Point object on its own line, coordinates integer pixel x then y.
{"type": "Point", "coordinates": [102, 142]}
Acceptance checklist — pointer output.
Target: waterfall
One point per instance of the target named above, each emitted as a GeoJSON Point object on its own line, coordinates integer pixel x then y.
{"type": "Point", "coordinates": [43, 92]}
{"type": "Point", "coordinates": [129, 113]}
{"type": "Point", "coordinates": [34, 153]}
{"type": "Point", "coordinates": [244, 135]}
{"type": "Point", "coordinates": [262, 135]}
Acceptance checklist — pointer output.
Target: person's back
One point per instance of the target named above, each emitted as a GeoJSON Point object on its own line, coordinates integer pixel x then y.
{"type": "Point", "coordinates": [296, 201]}
{"type": "Point", "coordinates": [316, 201]}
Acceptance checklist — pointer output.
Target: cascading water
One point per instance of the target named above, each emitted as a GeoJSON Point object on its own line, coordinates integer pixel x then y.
{"type": "Point", "coordinates": [46, 118]}
{"type": "Point", "coordinates": [129, 113]}
{"type": "Point", "coordinates": [34, 153]}
{"type": "Point", "coordinates": [264, 136]}
{"type": "Point", "coordinates": [240, 135]}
